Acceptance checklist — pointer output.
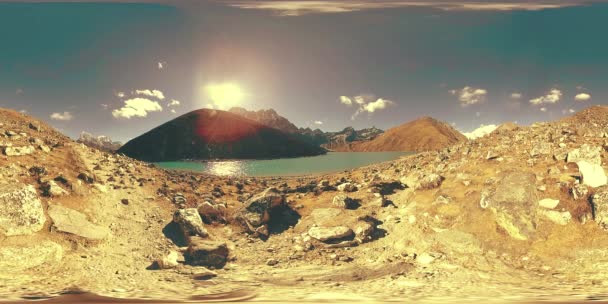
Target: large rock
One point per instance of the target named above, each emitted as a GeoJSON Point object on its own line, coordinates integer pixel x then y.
{"type": "Point", "coordinates": [586, 153]}
{"type": "Point", "coordinates": [256, 213]}
{"type": "Point", "coordinates": [429, 181]}
{"type": "Point", "coordinates": [344, 202]}
{"type": "Point", "coordinates": [190, 222]}
{"type": "Point", "coordinates": [325, 234]}
{"type": "Point", "coordinates": [593, 174]}
{"type": "Point", "coordinates": [208, 253]}
{"type": "Point", "coordinates": [71, 221]}
{"type": "Point", "coordinates": [19, 151]}
{"type": "Point", "coordinates": [599, 204]}
{"type": "Point", "coordinates": [514, 204]}
{"type": "Point", "coordinates": [21, 211]}
{"type": "Point", "coordinates": [50, 188]}
{"type": "Point", "coordinates": [15, 260]}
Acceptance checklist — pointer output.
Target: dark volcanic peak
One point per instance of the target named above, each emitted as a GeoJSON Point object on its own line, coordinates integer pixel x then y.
{"type": "Point", "coordinates": [267, 117]}
{"type": "Point", "coordinates": [211, 134]}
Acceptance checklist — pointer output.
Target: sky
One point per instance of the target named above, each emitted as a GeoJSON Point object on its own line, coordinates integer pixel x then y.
{"type": "Point", "coordinates": [120, 69]}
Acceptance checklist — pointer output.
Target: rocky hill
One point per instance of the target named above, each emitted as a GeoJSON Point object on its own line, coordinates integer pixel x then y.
{"type": "Point", "coordinates": [521, 213]}
{"type": "Point", "coordinates": [101, 142]}
{"type": "Point", "coordinates": [343, 141]}
{"type": "Point", "coordinates": [267, 117]}
{"type": "Point", "coordinates": [422, 134]}
{"type": "Point", "coordinates": [215, 134]}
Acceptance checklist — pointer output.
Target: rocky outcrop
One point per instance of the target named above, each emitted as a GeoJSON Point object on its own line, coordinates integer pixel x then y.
{"type": "Point", "coordinates": [21, 211]}
{"type": "Point", "coordinates": [256, 213]}
{"type": "Point", "coordinates": [190, 223]}
{"type": "Point", "coordinates": [514, 203]}
{"type": "Point", "coordinates": [207, 253]}
{"type": "Point", "coordinates": [599, 205]}
{"type": "Point", "coordinates": [101, 142]}
{"type": "Point", "coordinates": [325, 234]}
{"type": "Point", "coordinates": [593, 175]}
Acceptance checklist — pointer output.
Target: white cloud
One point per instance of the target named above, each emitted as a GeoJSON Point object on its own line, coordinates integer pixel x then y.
{"type": "Point", "coordinates": [151, 93]}
{"type": "Point", "coordinates": [210, 106]}
{"type": "Point", "coordinates": [379, 104]}
{"type": "Point", "coordinates": [515, 95]}
{"type": "Point", "coordinates": [543, 109]}
{"type": "Point", "coordinates": [318, 122]}
{"type": "Point", "coordinates": [173, 111]}
{"type": "Point", "coordinates": [298, 7]}
{"type": "Point", "coordinates": [571, 111]}
{"type": "Point", "coordinates": [65, 116]}
{"type": "Point", "coordinates": [582, 97]}
{"type": "Point", "coordinates": [174, 103]}
{"type": "Point", "coordinates": [161, 65]}
{"type": "Point", "coordinates": [105, 106]}
{"type": "Point", "coordinates": [480, 132]}
{"type": "Point", "coordinates": [137, 107]}
{"type": "Point", "coordinates": [346, 100]}
{"type": "Point", "coordinates": [553, 96]}
{"type": "Point", "coordinates": [470, 96]}
{"type": "Point", "coordinates": [120, 94]}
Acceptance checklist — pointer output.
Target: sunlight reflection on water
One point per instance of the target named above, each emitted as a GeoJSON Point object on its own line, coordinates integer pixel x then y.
{"type": "Point", "coordinates": [226, 168]}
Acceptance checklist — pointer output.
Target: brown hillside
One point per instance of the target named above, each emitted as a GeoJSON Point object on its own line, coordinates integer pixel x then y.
{"type": "Point", "coordinates": [422, 134]}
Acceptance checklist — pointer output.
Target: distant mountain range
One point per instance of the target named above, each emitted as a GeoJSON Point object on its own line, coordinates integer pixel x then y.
{"type": "Point", "coordinates": [334, 141]}
{"type": "Point", "coordinates": [101, 142]}
{"type": "Point", "coordinates": [215, 134]}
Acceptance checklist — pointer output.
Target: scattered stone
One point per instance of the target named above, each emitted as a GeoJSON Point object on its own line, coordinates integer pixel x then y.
{"type": "Point", "coordinates": [168, 261]}
{"type": "Point", "coordinates": [208, 253]}
{"type": "Point", "coordinates": [16, 260]}
{"type": "Point", "coordinates": [44, 148]}
{"type": "Point", "coordinates": [35, 126]}
{"type": "Point", "coordinates": [190, 222]}
{"type": "Point", "coordinates": [325, 234]}
{"type": "Point", "coordinates": [548, 203]}
{"type": "Point", "coordinates": [364, 231]}
{"type": "Point", "coordinates": [344, 202]}
{"type": "Point", "coordinates": [593, 174]}
{"type": "Point", "coordinates": [212, 213]}
{"type": "Point", "coordinates": [272, 262]}
{"type": "Point", "coordinates": [21, 211]}
{"type": "Point", "coordinates": [256, 213]}
{"type": "Point", "coordinates": [425, 259]}
{"type": "Point", "coordinates": [124, 201]}
{"type": "Point", "coordinates": [86, 178]}
{"type": "Point", "coordinates": [73, 222]}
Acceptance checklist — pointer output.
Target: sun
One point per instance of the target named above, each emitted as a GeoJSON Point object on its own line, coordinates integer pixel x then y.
{"type": "Point", "coordinates": [224, 95]}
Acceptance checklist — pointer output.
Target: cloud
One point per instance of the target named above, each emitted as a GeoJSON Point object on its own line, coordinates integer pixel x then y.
{"type": "Point", "coordinates": [582, 97]}
{"type": "Point", "coordinates": [367, 103]}
{"type": "Point", "coordinates": [151, 93]}
{"type": "Point", "coordinates": [515, 95]}
{"type": "Point", "coordinates": [318, 122]}
{"type": "Point", "coordinates": [174, 103]}
{"type": "Point", "coordinates": [105, 106]}
{"type": "Point", "coordinates": [120, 94]}
{"type": "Point", "coordinates": [137, 107]}
{"type": "Point", "coordinates": [553, 96]}
{"type": "Point", "coordinates": [543, 109]}
{"type": "Point", "coordinates": [346, 100]}
{"type": "Point", "coordinates": [161, 65]}
{"type": "Point", "coordinates": [65, 116]}
{"type": "Point", "coordinates": [571, 111]}
{"type": "Point", "coordinates": [298, 8]}
{"type": "Point", "coordinates": [482, 131]}
{"type": "Point", "coordinates": [470, 96]}
{"type": "Point", "coordinates": [173, 111]}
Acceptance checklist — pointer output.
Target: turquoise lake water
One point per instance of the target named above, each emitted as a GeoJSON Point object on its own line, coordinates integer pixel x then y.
{"type": "Point", "coordinates": [328, 163]}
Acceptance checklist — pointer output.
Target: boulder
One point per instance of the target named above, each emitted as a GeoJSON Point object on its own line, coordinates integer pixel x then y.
{"type": "Point", "coordinates": [190, 222]}
{"type": "Point", "coordinates": [599, 205]}
{"type": "Point", "coordinates": [593, 175]}
{"type": "Point", "coordinates": [256, 213]}
{"type": "Point", "coordinates": [347, 187]}
{"type": "Point", "coordinates": [50, 188]}
{"type": "Point", "coordinates": [586, 153]}
{"type": "Point", "coordinates": [73, 222]}
{"type": "Point", "coordinates": [21, 211]}
{"type": "Point", "coordinates": [364, 231]}
{"type": "Point", "coordinates": [212, 212]}
{"type": "Point", "coordinates": [168, 261]}
{"type": "Point", "coordinates": [17, 259]}
{"type": "Point", "coordinates": [513, 202]}
{"type": "Point", "coordinates": [208, 253]}
{"type": "Point", "coordinates": [325, 234]}
{"type": "Point", "coordinates": [344, 202]}
{"type": "Point", "coordinates": [557, 217]}
{"type": "Point", "coordinates": [18, 151]}
{"type": "Point", "coordinates": [429, 181]}
{"type": "Point", "coordinates": [579, 191]}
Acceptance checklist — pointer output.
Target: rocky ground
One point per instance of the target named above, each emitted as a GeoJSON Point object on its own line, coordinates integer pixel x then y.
{"type": "Point", "coordinates": [518, 215]}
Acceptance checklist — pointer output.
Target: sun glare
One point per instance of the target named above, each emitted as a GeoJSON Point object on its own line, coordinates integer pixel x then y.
{"type": "Point", "coordinates": [224, 95]}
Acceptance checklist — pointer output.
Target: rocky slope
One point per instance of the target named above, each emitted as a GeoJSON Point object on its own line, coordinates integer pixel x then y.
{"type": "Point", "coordinates": [101, 142]}
{"type": "Point", "coordinates": [213, 134]}
{"type": "Point", "coordinates": [518, 215]}
{"type": "Point", "coordinates": [267, 117]}
{"type": "Point", "coordinates": [422, 134]}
